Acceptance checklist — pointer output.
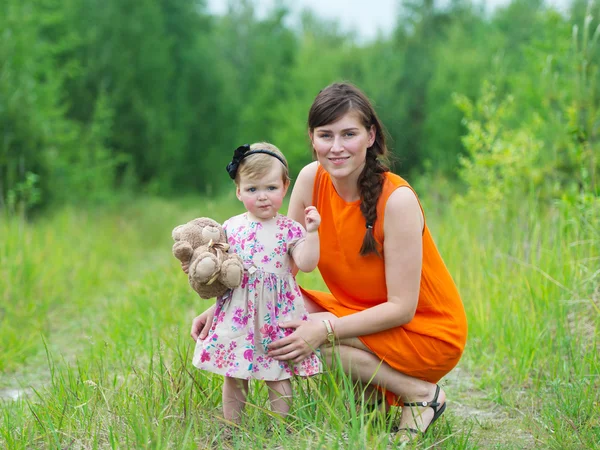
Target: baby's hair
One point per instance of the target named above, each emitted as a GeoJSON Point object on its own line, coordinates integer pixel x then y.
{"type": "Point", "coordinates": [258, 165]}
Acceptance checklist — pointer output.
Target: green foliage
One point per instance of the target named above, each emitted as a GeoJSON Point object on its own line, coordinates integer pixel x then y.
{"type": "Point", "coordinates": [542, 138]}
{"type": "Point", "coordinates": [29, 112]}
{"type": "Point", "coordinates": [24, 195]}
{"type": "Point", "coordinates": [44, 155]}
{"type": "Point", "coordinates": [500, 164]}
{"type": "Point", "coordinates": [469, 48]}
{"type": "Point", "coordinates": [307, 76]}
{"type": "Point", "coordinates": [152, 96]}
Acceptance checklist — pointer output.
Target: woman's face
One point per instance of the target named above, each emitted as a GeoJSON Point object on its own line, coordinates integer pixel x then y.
{"type": "Point", "coordinates": [341, 146]}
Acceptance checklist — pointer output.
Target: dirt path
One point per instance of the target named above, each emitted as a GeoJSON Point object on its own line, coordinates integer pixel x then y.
{"type": "Point", "coordinates": [491, 425]}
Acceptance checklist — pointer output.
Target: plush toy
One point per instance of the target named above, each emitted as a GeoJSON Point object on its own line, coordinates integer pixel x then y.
{"type": "Point", "coordinates": [203, 244]}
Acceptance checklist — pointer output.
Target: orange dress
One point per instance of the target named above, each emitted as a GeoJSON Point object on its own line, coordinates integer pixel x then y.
{"type": "Point", "coordinates": [431, 344]}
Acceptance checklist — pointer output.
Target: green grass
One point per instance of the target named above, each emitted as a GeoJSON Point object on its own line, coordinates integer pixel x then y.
{"type": "Point", "coordinates": [94, 334]}
{"type": "Point", "coordinates": [531, 286]}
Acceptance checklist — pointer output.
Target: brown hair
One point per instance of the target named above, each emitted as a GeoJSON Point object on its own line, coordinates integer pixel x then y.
{"type": "Point", "coordinates": [258, 165]}
{"type": "Point", "coordinates": [331, 104]}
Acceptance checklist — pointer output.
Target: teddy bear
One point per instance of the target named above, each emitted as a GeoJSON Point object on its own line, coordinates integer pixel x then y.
{"type": "Point", "coordinates": [212, 270]}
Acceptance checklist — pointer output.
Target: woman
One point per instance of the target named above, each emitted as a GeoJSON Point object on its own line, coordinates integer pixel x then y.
{"type": "Point", "coordinates": [394, 312]}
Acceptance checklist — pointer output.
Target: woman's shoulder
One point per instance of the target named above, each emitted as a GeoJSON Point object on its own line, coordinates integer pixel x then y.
{"type": "Point", "coordinates": [401, 199]}
{"type": "Point", "coordinates": [395, 180]}
{"type": "Point", "coordinates": [391, 188]}
{"type": "Point", "coordinates": [308, 173]}
{"type": "Point", "coordinates": [302, 192]}
{"type": "Point", "coordinates": [397, 192]}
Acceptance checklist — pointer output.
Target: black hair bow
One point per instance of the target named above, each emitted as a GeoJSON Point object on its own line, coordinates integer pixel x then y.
{"type": "Point", "coordinates": [238, 155]}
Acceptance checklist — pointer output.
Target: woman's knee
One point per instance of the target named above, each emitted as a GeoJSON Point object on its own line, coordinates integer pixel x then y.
{"type": "Point", "coordinates": [348, 355]}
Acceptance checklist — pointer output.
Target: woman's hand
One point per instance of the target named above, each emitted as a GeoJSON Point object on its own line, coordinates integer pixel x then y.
{"type": "Point", "coordinates": [201, 324]}
{"type": "Point", "coordinates": [306, 339]}
{"type": "Point", "coordinates": [185, 266]}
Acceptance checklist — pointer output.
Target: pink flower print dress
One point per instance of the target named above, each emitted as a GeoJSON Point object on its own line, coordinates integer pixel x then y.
{"type": "Point", "coordinates": [246, 318]}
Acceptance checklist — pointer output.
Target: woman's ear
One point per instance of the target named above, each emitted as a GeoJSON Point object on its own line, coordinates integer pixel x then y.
{"type": "Point", "coordinates": [311, 136]}
{"type": "Point", "coordinates": [372, 135]}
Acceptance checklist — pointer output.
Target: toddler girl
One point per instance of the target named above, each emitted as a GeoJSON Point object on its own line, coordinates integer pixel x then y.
{"type": "Point", "coordinates": [247, 319]}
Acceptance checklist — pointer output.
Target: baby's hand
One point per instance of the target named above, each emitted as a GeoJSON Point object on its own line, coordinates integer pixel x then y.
{"type": "Point", "coordinates": [312, 219]}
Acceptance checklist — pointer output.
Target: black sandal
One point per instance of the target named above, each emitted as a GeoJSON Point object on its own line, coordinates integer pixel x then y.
{"type": "Point", "coordinates": [438, 410]}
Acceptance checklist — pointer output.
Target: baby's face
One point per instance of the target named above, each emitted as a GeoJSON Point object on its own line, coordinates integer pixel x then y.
{"type": "Point", "coordinates": [263, 197]}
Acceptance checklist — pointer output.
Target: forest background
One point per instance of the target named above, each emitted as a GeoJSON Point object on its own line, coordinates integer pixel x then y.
{"type": "Point", "coordinates": [117, 118]}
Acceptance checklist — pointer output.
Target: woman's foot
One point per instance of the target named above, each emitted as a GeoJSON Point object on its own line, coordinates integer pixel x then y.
{"type": "Point", "coordinates": [420, 413]}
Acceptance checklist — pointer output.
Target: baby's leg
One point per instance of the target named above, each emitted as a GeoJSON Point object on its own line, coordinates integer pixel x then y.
{"type": "Point", "coordinates": [280, 395]}
{"type": "Point", "coordinates": [235, 391]}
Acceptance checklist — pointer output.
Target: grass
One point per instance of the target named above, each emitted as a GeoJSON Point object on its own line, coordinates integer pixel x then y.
{"type": "Point", "coordinates": [531, 285]}
{"type": "Point", "coordinates": [94, 336]}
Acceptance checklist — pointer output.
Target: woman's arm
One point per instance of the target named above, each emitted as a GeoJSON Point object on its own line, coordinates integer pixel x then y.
{"type": "Point", "coordinates": [403, 253]}
{"type": "Point", "coordinates": [301, 199]}
{"type": "Point", "coordinates": [302, 192]}
{"type": "Point", "coordinates": [306, 253]}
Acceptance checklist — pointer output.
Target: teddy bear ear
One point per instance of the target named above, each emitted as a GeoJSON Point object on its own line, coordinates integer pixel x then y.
{"type": "Point", "coordinates": [176, 233]}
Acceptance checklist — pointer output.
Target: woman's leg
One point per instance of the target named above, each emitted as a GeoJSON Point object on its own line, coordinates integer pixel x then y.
{"type": "Point", "coordinates": [280, 396]}
{"type": "Point", "coordinates": [365, 367]}
{"type": "Point", "coordinates": [235, 392]}
{"type": "Point", "coordinates": [370, 394]}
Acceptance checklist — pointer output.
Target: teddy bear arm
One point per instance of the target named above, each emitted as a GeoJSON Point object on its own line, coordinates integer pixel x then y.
{"type": "Point", "coordinates": [213, 290]}
{"type": "Point", "coordinates": [182, 251]}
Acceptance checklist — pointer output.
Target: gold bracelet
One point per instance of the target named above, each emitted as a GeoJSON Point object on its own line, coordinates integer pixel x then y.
{"type": "Point", "coordinates": [330, 335]}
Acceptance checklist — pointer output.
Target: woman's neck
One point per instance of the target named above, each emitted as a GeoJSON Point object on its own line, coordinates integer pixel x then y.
{"type": "Point", "coordinates": [347, 188]}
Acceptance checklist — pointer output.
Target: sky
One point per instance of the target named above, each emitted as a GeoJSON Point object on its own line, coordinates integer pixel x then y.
{"type": "Point", "coordinates": [367, 17]}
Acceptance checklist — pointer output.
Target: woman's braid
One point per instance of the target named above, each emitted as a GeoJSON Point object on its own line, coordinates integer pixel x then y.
{"type": "Point", "coordinates": [370, 184]}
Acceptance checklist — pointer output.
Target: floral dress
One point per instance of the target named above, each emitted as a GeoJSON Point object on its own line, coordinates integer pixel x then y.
{"type": "Point", "coordinates": [246, 318]}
